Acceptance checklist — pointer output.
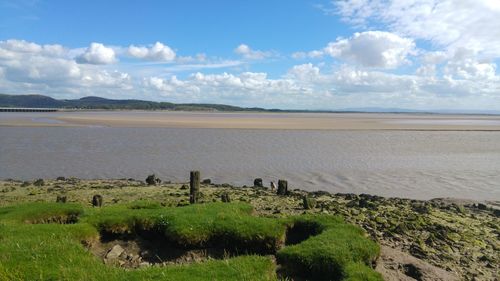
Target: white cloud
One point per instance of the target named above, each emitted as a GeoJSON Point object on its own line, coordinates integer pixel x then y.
{"type": "Point", "coordinates": [304, 72]}
{"type": "Point", "coordinates": [373, 49]}
{"type": "Point", "coordinates": [444, 80]}
{"type": "Point", "coordinates": [451, 24]}
{"type": "Point", "coordinates": [157, 52]}
{"type": "Point", "coordinates": [49, 69]}
{"type": "Point", "coordinates": [248, 53]}
{"type": "Point", "coordinates": [97, 53]}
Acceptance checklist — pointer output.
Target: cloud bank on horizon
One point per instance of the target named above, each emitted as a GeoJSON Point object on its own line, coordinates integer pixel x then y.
{"type": "Point", "coordinates": [419, 54]}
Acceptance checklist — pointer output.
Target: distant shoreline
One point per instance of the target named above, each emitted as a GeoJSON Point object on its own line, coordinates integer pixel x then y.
{"type": "Point", "coordinates": [254, 120]}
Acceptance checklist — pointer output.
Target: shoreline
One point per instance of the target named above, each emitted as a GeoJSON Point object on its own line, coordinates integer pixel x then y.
{"type": "Point", "coordinates": [261, 121]}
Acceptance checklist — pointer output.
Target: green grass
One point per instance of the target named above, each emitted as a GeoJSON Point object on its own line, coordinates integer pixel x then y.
{"type": "Point", "coordinates": [339, 252]}
{"type": "Point", "coordinates": [34, 245]}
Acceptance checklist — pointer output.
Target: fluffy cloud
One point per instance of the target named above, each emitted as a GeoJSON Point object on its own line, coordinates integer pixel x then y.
{"type": "Point", "coordinates": [445, 79]}
{"type": "Point", "coordinates": [157, 52]}
{"type": "Point", "coordinates": [370, 49]}
{"type": "Point", "coordinates": [248, 53]}
{"type": "Point", "coordinates": [452, 24]}
{"type": "Point", "coordinates": [97, 53]}
{"type": "Point", "coordinates": [49, 69]}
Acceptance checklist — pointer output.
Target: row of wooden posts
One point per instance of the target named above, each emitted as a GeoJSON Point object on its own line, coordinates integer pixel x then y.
{"type": "Point", "coordinates": [194, 189]}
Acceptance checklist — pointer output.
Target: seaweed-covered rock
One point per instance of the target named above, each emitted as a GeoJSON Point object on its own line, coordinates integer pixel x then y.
{"type": "Point", "coordinates": [39, 182]}
{"type": "Point", "coordinates": [97, 200]}
{"type": "Point", "coordinates": [61, 178]}
{"type": "Point", "coordinates": [206, 181]}
{"type": "Point", "coordinates": [482, 206]}
{"type": "Point", "coordinates": [496, 212]}
{"type": "Point", "coordinates": [153, 180]}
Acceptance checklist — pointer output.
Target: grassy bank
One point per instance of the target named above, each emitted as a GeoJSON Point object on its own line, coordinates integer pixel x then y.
{"type": "Point", "coordinates": [50, 241]}
{"type": "Point", "coordinates": [460, 237]}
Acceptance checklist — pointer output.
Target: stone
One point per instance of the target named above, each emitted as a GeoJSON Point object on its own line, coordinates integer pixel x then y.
{"type": "Point", "coordinates": [153, 180]}
{"type": "Point", "coordinates": [496, 212]}
{"type": "Point", "coordinates": [97, 200]}
{"type": "Point", "coordinates": [207, 181]}
{"type": "Point", "coordinates": [39, 182]}
{"type": "Point", "coordinates": [61, 178]}
{"type": "Point", "coordinates": [115, 252]}
{"type": "Point", "coordinates": [258, 182]}
{"type": "Point", "coordinates": [482, 206]}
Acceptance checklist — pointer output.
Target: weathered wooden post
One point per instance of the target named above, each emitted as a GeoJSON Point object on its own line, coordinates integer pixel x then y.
{"type": "Point", "coordinates": [258, 182]}
{"type": "Point", "coordinates": [61, 199]}
{"type": "Point", "coordinates": [97, 200]}
{"type": "Point", "coordinates": [308, 202]}
{"type": "Point", "coordinates": [153, 180]}
{"type": "Point", "coordinates": [282, 187]}
{"type": "Point", "coordinates": [225, 197]}
{"type": "Point", "coordinates": [194, 186]}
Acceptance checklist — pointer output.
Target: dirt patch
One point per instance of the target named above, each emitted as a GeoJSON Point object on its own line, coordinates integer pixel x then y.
{"type": "Point", "coordinates": [61, 219]}
{"type": "Point", "coordinates": [146, 248]}
{"type": "Point", "coordinates": [300, 232]}
{"type": "Point", "coordinates": [151, 248]}
{"type": "Point", "coordinates": [395, 265]}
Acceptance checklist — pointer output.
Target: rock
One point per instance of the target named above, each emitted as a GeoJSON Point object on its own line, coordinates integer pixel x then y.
{"type": "Point", "coordinates": [97, 200]}
{"type": "Point", "coordinates": [482, 206]}
{"type": "Point", "coordinates": [115, 252]}
{"type": "Point", "coordinates": [61, 199]}
{"type": "Point", "coordinates": [184, 187]}
{"type": "Point", "coordinates": [207, 181]}
{"type": "Point", "coordinates": [282, 187]}
{"type": "Point", "coordinates": [420, 208]}
{"type": "Point", "coordinates": [61, 178]}
{"type": "Point", "coordinates": [153, 180]}
{"type": "Point", "coordinates": [258, 182]}
{"type": "Point", "coordinates": [39, 182]}
{"type": "Point", "coordinates": [496, 212]}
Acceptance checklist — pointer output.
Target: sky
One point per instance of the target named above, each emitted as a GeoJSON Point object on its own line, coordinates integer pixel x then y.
{"type": "Point", "coordinates": [414, 54]}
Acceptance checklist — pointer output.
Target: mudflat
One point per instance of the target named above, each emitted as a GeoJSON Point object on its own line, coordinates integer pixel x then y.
{"type": "Point", "coordinates": [243, 120]}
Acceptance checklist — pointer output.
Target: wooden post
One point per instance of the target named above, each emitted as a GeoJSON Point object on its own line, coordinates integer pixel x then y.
{"type": "Point", "coordinates": [258, 182]}
{"type": "Point", "coordinates": [97, 200]}
{"type": "Point", "coordinates": [282, 187]}
{"type": "Point", "coordinates": [194, 186]}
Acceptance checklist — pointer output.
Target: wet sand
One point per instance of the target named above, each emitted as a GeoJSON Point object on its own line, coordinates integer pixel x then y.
{"type": "Point", "coordinates": [288, 121]}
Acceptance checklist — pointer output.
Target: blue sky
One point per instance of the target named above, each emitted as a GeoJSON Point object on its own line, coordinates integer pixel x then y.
{"type": "Point", "coordinates": [287, 54]}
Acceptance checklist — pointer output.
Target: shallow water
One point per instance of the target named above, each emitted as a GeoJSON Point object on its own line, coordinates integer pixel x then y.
{"type": "Point", "coordinates": [415, 164]}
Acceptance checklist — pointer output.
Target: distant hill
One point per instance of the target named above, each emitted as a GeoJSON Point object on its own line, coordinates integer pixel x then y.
{"type": "Point", "coordinates": [39, 101]}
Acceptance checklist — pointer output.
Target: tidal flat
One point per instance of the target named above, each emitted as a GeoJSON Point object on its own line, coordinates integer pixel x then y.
{"type": "Point", "coordinates": [440, 239]}
{"type": "Point", "coordinates": [418, 156]}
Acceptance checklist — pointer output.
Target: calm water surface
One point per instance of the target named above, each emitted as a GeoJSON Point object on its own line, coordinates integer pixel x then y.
{"type": "Point", "coordinates": [415, 164]}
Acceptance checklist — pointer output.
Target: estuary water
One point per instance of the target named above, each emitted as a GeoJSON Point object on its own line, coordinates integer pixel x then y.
{"type": "Point", "coordinates": [412, 164]}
